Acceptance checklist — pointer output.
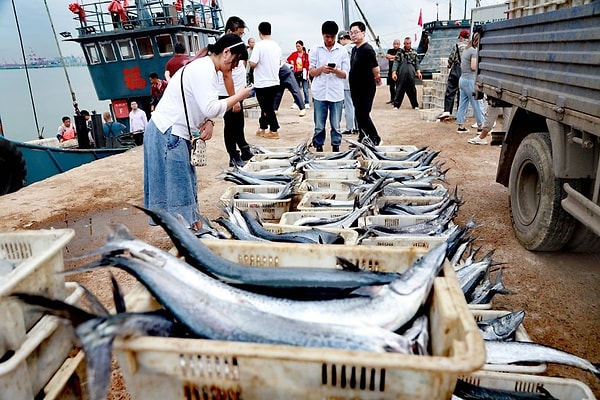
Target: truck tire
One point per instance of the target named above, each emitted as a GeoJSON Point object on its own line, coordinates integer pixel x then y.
{"type": "Point", "coordinates": [12, 168]}
{"type": "Point", "coordinates": [583, 240]}
{"type": "Point", "coordinates": [539, 221]}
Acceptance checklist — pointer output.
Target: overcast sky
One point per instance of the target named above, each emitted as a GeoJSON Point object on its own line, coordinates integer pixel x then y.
{"type": "Point", "coordinates": [291, 20]}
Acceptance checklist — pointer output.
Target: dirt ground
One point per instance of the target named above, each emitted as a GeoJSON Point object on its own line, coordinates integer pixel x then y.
{"type": "Point", "coordinates": [558, 291]}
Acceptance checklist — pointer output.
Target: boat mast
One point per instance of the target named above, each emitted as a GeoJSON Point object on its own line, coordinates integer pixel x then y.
{"type": "Point", "coordinates": [62, 61]}
{"type": "Point", "coordinates": [346, 14]}
{"type": "Point", "coordinates": [37, 126]}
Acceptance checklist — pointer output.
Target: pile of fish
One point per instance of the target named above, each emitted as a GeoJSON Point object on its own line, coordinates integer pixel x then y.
{"type": "Point", "coordinates": [199, 299]}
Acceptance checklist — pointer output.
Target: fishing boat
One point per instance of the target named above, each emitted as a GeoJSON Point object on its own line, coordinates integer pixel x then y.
{"type": "Point", "coordinates": [122, 44]}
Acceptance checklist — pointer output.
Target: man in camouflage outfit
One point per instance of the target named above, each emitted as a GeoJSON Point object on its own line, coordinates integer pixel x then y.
{"type": "Point", "coordinates": [405, 68]}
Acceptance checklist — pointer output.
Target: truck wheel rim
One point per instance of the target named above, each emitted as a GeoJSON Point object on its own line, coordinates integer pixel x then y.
{"type": "Point", "coordinates": [529, 190]}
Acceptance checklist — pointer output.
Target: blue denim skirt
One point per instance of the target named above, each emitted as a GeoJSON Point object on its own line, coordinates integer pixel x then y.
{"type": "Point", "coordinates": [170, 182]}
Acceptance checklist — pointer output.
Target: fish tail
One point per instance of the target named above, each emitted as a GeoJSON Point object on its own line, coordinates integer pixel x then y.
{"type": "Point", "coordinates": [56, 307]}
{"type": "Point", "coordinates": [597, 369]}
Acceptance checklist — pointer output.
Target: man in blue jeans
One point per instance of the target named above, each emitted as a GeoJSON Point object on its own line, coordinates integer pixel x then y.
{"type": "Point", "coordinates": [329, 65]}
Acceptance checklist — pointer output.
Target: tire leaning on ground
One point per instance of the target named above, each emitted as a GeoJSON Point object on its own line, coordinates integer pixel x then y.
{"type": "Point", "coordinates": [12, 168]}
{"type": "Point", "coordinates": [539, 221]}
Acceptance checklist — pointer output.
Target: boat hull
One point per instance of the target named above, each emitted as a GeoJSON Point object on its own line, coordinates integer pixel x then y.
{"type": "Point", "coordinates": [42, 162]}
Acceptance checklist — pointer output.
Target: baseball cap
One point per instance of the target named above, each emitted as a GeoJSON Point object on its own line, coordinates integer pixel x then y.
{"type": "Point", "coordinates": [343, 34]}
{"type": "Point", "coordinates": [464, 34]}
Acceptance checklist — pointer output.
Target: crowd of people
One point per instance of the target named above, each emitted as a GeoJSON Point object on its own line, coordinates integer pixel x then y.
{"type": "Point", "coordinates": [336, 77]}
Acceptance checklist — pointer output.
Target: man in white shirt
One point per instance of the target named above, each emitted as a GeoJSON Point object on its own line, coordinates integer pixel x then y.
{"type": "Point", "coordinates": [137, 118]}
{"type": "Point", "coordinates": [266, 59]}
{"type": "Point", "coordinates": [329, 66]}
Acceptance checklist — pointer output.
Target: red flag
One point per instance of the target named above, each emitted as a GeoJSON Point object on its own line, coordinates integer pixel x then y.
{"type": "Point", "coordinates": [420, 22]}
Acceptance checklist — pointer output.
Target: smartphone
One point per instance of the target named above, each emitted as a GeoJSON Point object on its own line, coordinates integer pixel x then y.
{"type": "Point", "coordinates": [331, 65]}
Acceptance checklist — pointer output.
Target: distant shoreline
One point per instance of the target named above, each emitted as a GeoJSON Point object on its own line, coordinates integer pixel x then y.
{"type": "Point", "coordinates": [22, 66]}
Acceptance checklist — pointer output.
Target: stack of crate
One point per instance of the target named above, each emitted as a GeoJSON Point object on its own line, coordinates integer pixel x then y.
{"type": "Point", "coordinates": [433, 93]}
{"type": "Point", "coordinates": [37, 352]}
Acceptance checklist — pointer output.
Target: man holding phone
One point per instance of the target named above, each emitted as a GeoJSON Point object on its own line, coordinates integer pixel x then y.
{"type": "Point", "coordinates": [329, 66]}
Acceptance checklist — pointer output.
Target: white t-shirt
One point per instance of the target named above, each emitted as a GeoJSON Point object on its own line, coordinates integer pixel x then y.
{"type": "Point", "coordinates": [201, 88]}
{"type": "Point", "coordinates": [267, 56]}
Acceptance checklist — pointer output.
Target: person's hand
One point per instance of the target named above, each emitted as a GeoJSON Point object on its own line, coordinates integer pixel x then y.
{"type": "Point", "coordinates": [394, 75]}
{"type": "Point", "coordinates": [419, 75]}
{"type": "Point", "coordinates": [206, 130]}
{"type": "Point", "coordinates": [237, 107]}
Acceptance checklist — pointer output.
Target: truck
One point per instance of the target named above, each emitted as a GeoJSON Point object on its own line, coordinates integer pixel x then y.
{"type": "Point", "coordinates": [547, 67]}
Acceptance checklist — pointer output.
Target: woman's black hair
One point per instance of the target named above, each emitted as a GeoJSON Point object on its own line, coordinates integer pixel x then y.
{"type": "Point", "coordinates": [233, 42]}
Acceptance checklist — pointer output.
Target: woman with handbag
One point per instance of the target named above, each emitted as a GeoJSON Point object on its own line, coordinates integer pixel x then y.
{"type": "Point", "coordinates": [299, 61]}
{"type": "Point", "coordinates": [190, 101]}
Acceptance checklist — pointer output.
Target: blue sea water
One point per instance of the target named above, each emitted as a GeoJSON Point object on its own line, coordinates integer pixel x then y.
{"type": "Point", "coordinates": [52, 99]}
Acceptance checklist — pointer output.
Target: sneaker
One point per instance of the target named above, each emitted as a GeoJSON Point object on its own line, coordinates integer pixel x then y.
{"type": "Point", "coordinates": [389, 102]}
{"type": "Point", "coordinates": [307, 106]}
{"type": "Point", "coordinates": [271, 135]}
{"type": "Point", "coordinates": [355, 131]}
{"type": "Point", "coordinates": [477, 140]}
{"type": "Point", "coordinates": [319, 149]}
{"type": "Point", "coordinates": [479, 130]}
{"type": "Point", "coordinates": [462, 130]}
{"type": "Point", "coordinates": [396, 108]}
{"type": "Point", "coordinates": [445, 114]}
{"type": "Point", "coordinates": [260, 132]}
{"type": "Point", "coordinates": [236, 160]}
{"type": "Point", "coordinates": [335, 149]}
{"type": "Point", "coordinates": [302, 113]}
{"type": "Point", "coordinates": [347, 132]}
{"type": "Point", "coordinates": [247, 153]}
{"type": "Point", "coordinates": [416, 108]}
{"type": "Point", "coordinates": [474, 125]}
{"type": "Point", "coordinates": [294, 107]}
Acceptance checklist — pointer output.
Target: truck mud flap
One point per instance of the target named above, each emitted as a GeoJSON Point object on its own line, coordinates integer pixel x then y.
{"type": "Point", "coordinates": [583, 209]}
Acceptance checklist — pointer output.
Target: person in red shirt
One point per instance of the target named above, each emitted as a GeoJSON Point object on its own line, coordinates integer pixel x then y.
{"type": "Point", "coordinates": [299, 60]}
{"type": "Point", "coordinates": [156, 90]}
{"type": "Point", "coordinates": [176, 62]}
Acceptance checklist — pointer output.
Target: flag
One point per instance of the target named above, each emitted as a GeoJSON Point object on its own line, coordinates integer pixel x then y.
{"type": "Point", "coordinates": [420, 22]}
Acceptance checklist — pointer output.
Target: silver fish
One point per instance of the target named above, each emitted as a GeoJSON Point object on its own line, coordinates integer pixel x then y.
{"type": "Point", "coordinates": [501, 328]}
{"type": "Point", "coordinates": [200, 256]}
{"type": "Point", "coordinates": [222, 319]}
{"type": "Point", "coordinates": [499, 352]}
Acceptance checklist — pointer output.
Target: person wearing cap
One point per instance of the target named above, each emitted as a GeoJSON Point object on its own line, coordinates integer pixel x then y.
{"type": "Point", "coordinates": [454, 73]}
{"type": "Point", "coordinates": [344, 40]}
{"type": "Point", "coordinates": [329, 66]}
{"type": "Point", "coordinates": [391, 56]}
{"type": "Point", "coordinates": [406, 66]}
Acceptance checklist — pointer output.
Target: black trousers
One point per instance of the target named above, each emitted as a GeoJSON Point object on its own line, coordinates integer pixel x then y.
{"type": "Point", "coordinates": [451, 89]}
{"type": "Point", "coordinates": [233, 131]}
{"type": "Point", "coordinates": [362, 98]}
{"type": "Point", "coordinates": [266, 100]}
{"type": "Point", "coordinates": [405, 84]}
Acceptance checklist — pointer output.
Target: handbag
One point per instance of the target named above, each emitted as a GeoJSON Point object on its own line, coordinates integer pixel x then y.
{"type": "Point", "coordinates": [198, 145]}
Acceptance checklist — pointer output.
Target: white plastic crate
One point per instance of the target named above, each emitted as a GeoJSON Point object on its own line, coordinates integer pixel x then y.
{"type": "Point", "coordinates": [334, 164]}
{"type": "Point", "coordinates": [422, 241]}
{"type": "Point", "coordinates": [520, 335]}
{"type": "Point", "coordinates": [386, 163]}
{"type": "Point", "coordinates": [326, 185]}
{"type": "Point", "coordinates": [404, 148]}
{"type": "Point", "coordinates": [350, 236]}
{"type": "Point", "coordinates": [268, 210]}
{"type": "Point", "coordinates": [394, 220]}
{"type": "Point", "coordinates": [309, 197]}
{"type": "Point", "coordinates": [38, 255]}
{"type": "Point", "coordinates": [333, 174]}
{"type": "Point", "coordinates": [560, 388]}
{"type": "Point", "coordinates": [69, 382]}
{"type": "Point", "coordinates": [161, 368]}
{"type": "Point", "coordinates": [269, 164]}
{"type": "Point", "coordinates": [290, 218]}
{"type": "Point", "coordinates": [44, 350]}
{"type": "Point", "coordinates": [271, 156]}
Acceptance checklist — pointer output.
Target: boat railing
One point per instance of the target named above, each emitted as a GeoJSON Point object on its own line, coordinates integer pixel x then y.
{"type": "Point", "coordinates": [101, 16]}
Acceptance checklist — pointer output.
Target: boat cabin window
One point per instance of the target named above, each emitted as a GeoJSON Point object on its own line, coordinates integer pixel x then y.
{"type": "Point", "coordinates": [144, 45]}
{"type": "Point", "coordinates": [92, 54]}
{"type": "Point", "coordinates": [165, 44]}
{"type": "Point", "coordinates": [181, 39]}
{"type": "Point", "coordinates": [126, 49]}
{"type": "Point", "coordinates": [108, 51]}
